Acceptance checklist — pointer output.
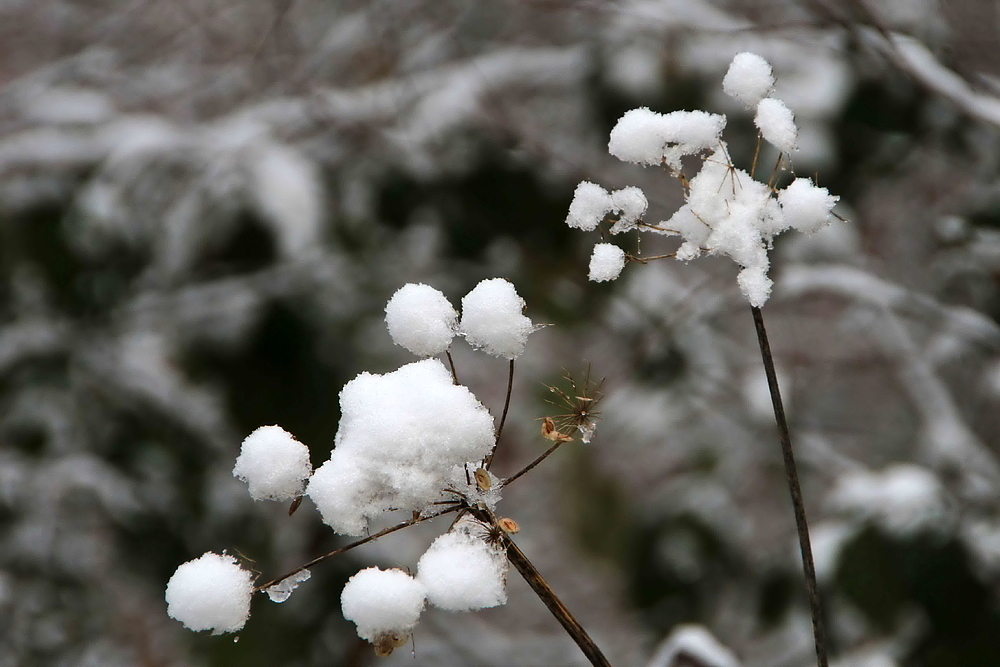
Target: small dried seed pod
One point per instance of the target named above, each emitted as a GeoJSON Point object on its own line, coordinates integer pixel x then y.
{"type": "Point", "coordinates": [509, 526]}
{"type": "Point", "coordinates": [549, 431]}
{"type": "Point", "coordinates": [483, 480]}
{"type": "Point", "coordinates": [387, 642]}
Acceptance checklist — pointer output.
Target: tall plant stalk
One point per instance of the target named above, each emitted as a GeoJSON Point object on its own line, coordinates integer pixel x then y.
{"type": "Point", "coordinates": [792, 476]}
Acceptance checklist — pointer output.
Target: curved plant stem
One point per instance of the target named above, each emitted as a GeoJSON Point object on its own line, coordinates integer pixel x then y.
{"type": "Point", "coordinates": [531, 465]}
{"type": "Point", "coordinates": [801, 525]}
{"type": "Point", "coordinates": [365, 540]}
{"type": "Point", "coordinates": [503, 417]}
{"type": "Point", "coordinates": [545, 593]}
{"type": "Point", "coordinates": [451, 362]}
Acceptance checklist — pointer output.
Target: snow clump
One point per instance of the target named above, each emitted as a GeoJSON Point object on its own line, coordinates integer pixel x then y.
{"type": "Point", "coordinates": [749, 79]}
{"type": "Point", "coordinates": [646, 137]}
{"type": "Point", "coordinates": [727, 211]}
{"type": "Point", "coordinates": [211, 592]}
{"type": "Point", "coordinates": [776, 124]}
{"type": "Point", "coordinates": [421, 319]}
{"type": "Point", "coordinates": [399, 438]}
{"type": "Point", "coordinates": [606, 263]}
{"type": "Point", "coordinates": [492, 319]}
{"type": "Point", "coordinates": [382, 603]}
{"type": "Point", "coordinates": [460, 572]}
{"type": "Point", "coordinates": [590, 204]}
{"type": "Point", "coordinates": [273, 463]}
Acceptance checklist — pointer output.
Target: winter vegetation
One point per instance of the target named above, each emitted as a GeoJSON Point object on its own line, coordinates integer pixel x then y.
{"type": "Point", "coordinates": [327, 231]}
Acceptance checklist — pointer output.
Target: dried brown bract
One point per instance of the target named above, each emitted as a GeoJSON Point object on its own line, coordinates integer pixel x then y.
{"type": "Point", "coordinates": [549, 431]}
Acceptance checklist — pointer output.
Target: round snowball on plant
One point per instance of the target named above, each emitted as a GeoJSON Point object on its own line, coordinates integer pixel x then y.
{"type": "Point", "coordinates": [492, 319]}
{"type": "Point", "coordinates": [806, 207]}
{"type": "Point", "coordinates": [777, 124]}
{"type": "Point", "coordinates": [421, 319]}
{"type": "Point", "coordinates": [749, 79]}
{"type": "Point", "coordinates": [382, 602]}
{"type": "Point", "coordinates": [590, 204]}
{"type": "Point", "coordinates": [273, 463]}
{"type": "Point", "coordinates": [460, 572]}
{"type": "Point", "coordinates": [606, 262]}
{"type": "Point", "coordinates": [211, 592]}
{"type": "Point", "coordinates": [631, 204]}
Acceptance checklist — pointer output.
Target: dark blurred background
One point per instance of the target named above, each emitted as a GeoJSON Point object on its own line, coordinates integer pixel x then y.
{"type": "Point", "coordinates": [204, 206]}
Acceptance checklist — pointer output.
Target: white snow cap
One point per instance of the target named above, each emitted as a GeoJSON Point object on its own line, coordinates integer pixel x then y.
{"type": "Point", "coordinates": [631, 204]}
{"type": "Point", "coordinates": [805, 206]}
{"type": "Point", "coordinates": [749, 79]}
{"type": "Point", "coordinates": [606, 262]}
{"type": "Point", "coordinates": [777, 124]}
{"type": "Point", "coordinates": [590, 204]}
{"type": "Point", "coordinates": [693, 642]}
{"type": "Point", "coordinates": [462, 573]}
{"type": "Point", "coordinates": [273, 463]}
{"type": "Point", "coordinates": [211, 592]}
{"type": "Point", "coordinates": [382, 601]}
{"type": "Point", "coordinates": [421, 319]}
{"type": "Point", "coordinates": [400, 436]}
{"type": "Point", "coordinates": [646, 137]}
{"type": "Point", "coordinates": [492, 319]}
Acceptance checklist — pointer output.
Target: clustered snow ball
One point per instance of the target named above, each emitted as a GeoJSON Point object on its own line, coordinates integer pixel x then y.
{"type": "Point", "coordinates": [421, 319]}
{"type": "Point", "coordinates": [210, 593]}
{"type": "Point", "coordinates": [460, 572]}
{"type": "Point", "coordinates": [646, 137]}
{"type": "Point", "coordinates": [590, 204]}
{"type": "Point", "coordinates": [273, 463]}
{"type": "Point", "coordinates": [806, 206]}
{"type": "Point", "coordinates": [777, 124]}
{"type": "Point", "coordinates": [400, 436]}
{"type": "Point", "coordinates": [382, 602]}
{"type": "Point", "coordinates": [606, 263]}
{"type": "Point", "coordinates": [749, 79]}
{"type": "Point", "coordinates": [726, 212]}
{"type": "Point", "coordinates": [492, 319]}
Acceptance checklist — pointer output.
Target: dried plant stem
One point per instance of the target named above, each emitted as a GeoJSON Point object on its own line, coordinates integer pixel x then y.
{"type": "Point", "coordinates": [503, 417]}
{"type": "Point", "coordinates": [801, 525]}
{"type": "Point", "coordinates": [534, 463]}
{"type": "Point", "coordinates": [545, 593]}
{"type": "Point", "coordinates": [365, 540]}
{"type": "Point", "coordinates": [451, 362]}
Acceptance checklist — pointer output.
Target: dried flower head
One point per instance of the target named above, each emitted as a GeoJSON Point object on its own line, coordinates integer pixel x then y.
{"type": "Point", "coordinates": [386, 642]}
{"type": "Point", "coordinates": [580, 404]}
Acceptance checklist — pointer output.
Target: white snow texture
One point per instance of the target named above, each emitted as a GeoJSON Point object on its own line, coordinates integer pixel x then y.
{"type": "Point", "coordinates": [211, 592]}
{"type": "Point", "coordinates": [590, 204]}
{"type": "Point", "coordinates": [777, 124]}
{"type": "Point", "coordinates": [606, 262]}
{"type": "Point", "coordinates": [460, 572]}
{"type": "Point", "coordinates": [382, 601]}
{"type": "Point", "coordinates": [492, 319]}
{"type": "Point", "coordinates": [400, 436]}
{"type": "Point", "coordinates": [749, 79]}
{"type": "Point", "coordinates": [421, 319]}
{"type": "Point", "coordinates": [646, 137]}
{"type": "Point", "coordinates": [273, 463]}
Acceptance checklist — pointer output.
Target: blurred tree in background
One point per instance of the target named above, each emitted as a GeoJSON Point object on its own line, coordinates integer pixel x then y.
{"type": "Point", "coordinates": [204, 207]}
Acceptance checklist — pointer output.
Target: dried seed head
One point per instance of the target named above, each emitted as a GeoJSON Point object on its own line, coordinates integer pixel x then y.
{"type": "Point", "coordinates": [509, 526]}
{"type": "Point", "coordinates": [387, 642]}
{"type": "Point", "coordinates": [549, 431]}
{"type": "Point", "coordinates": [483, 480]}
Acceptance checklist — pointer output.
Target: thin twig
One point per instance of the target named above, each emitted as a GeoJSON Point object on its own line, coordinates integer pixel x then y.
{"type": "Point", "coordinates": [503, 417]}
{"type": "Point", "coordinates": [545, 593]}
{"type": "Point", "coordinates": [756, 154]}
{"type": "Point", "coordinates": [451, 362]}
{"type": "Point", "coordinates": [534, 463]}
{"type": "Point", "coordinates": [365, 540]}
{"type": "Point", "coordinates": [801, 525]}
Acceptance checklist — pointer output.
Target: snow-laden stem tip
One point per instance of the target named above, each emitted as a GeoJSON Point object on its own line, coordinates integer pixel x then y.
{"type": "Point", "coordinates": [791, 473]}
{"type": "Point", "coordinates": [545, 593]}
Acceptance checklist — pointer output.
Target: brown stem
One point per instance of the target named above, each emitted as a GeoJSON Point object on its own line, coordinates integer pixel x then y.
{"type": "Point", "coordinates": [756, 154]}
{"type": "Point", "coordinates": [531, 465]}
{"type": "Point", "coordinates": [545, 593]}
{"type": "Point", "coordinates": [365, 540]}
{"type": "Point", "coordinates": [503, 417]}
{"type": "Point", "coordinates": [801, 525]}
{"type": "Point", "coordinates": [451, 362]}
